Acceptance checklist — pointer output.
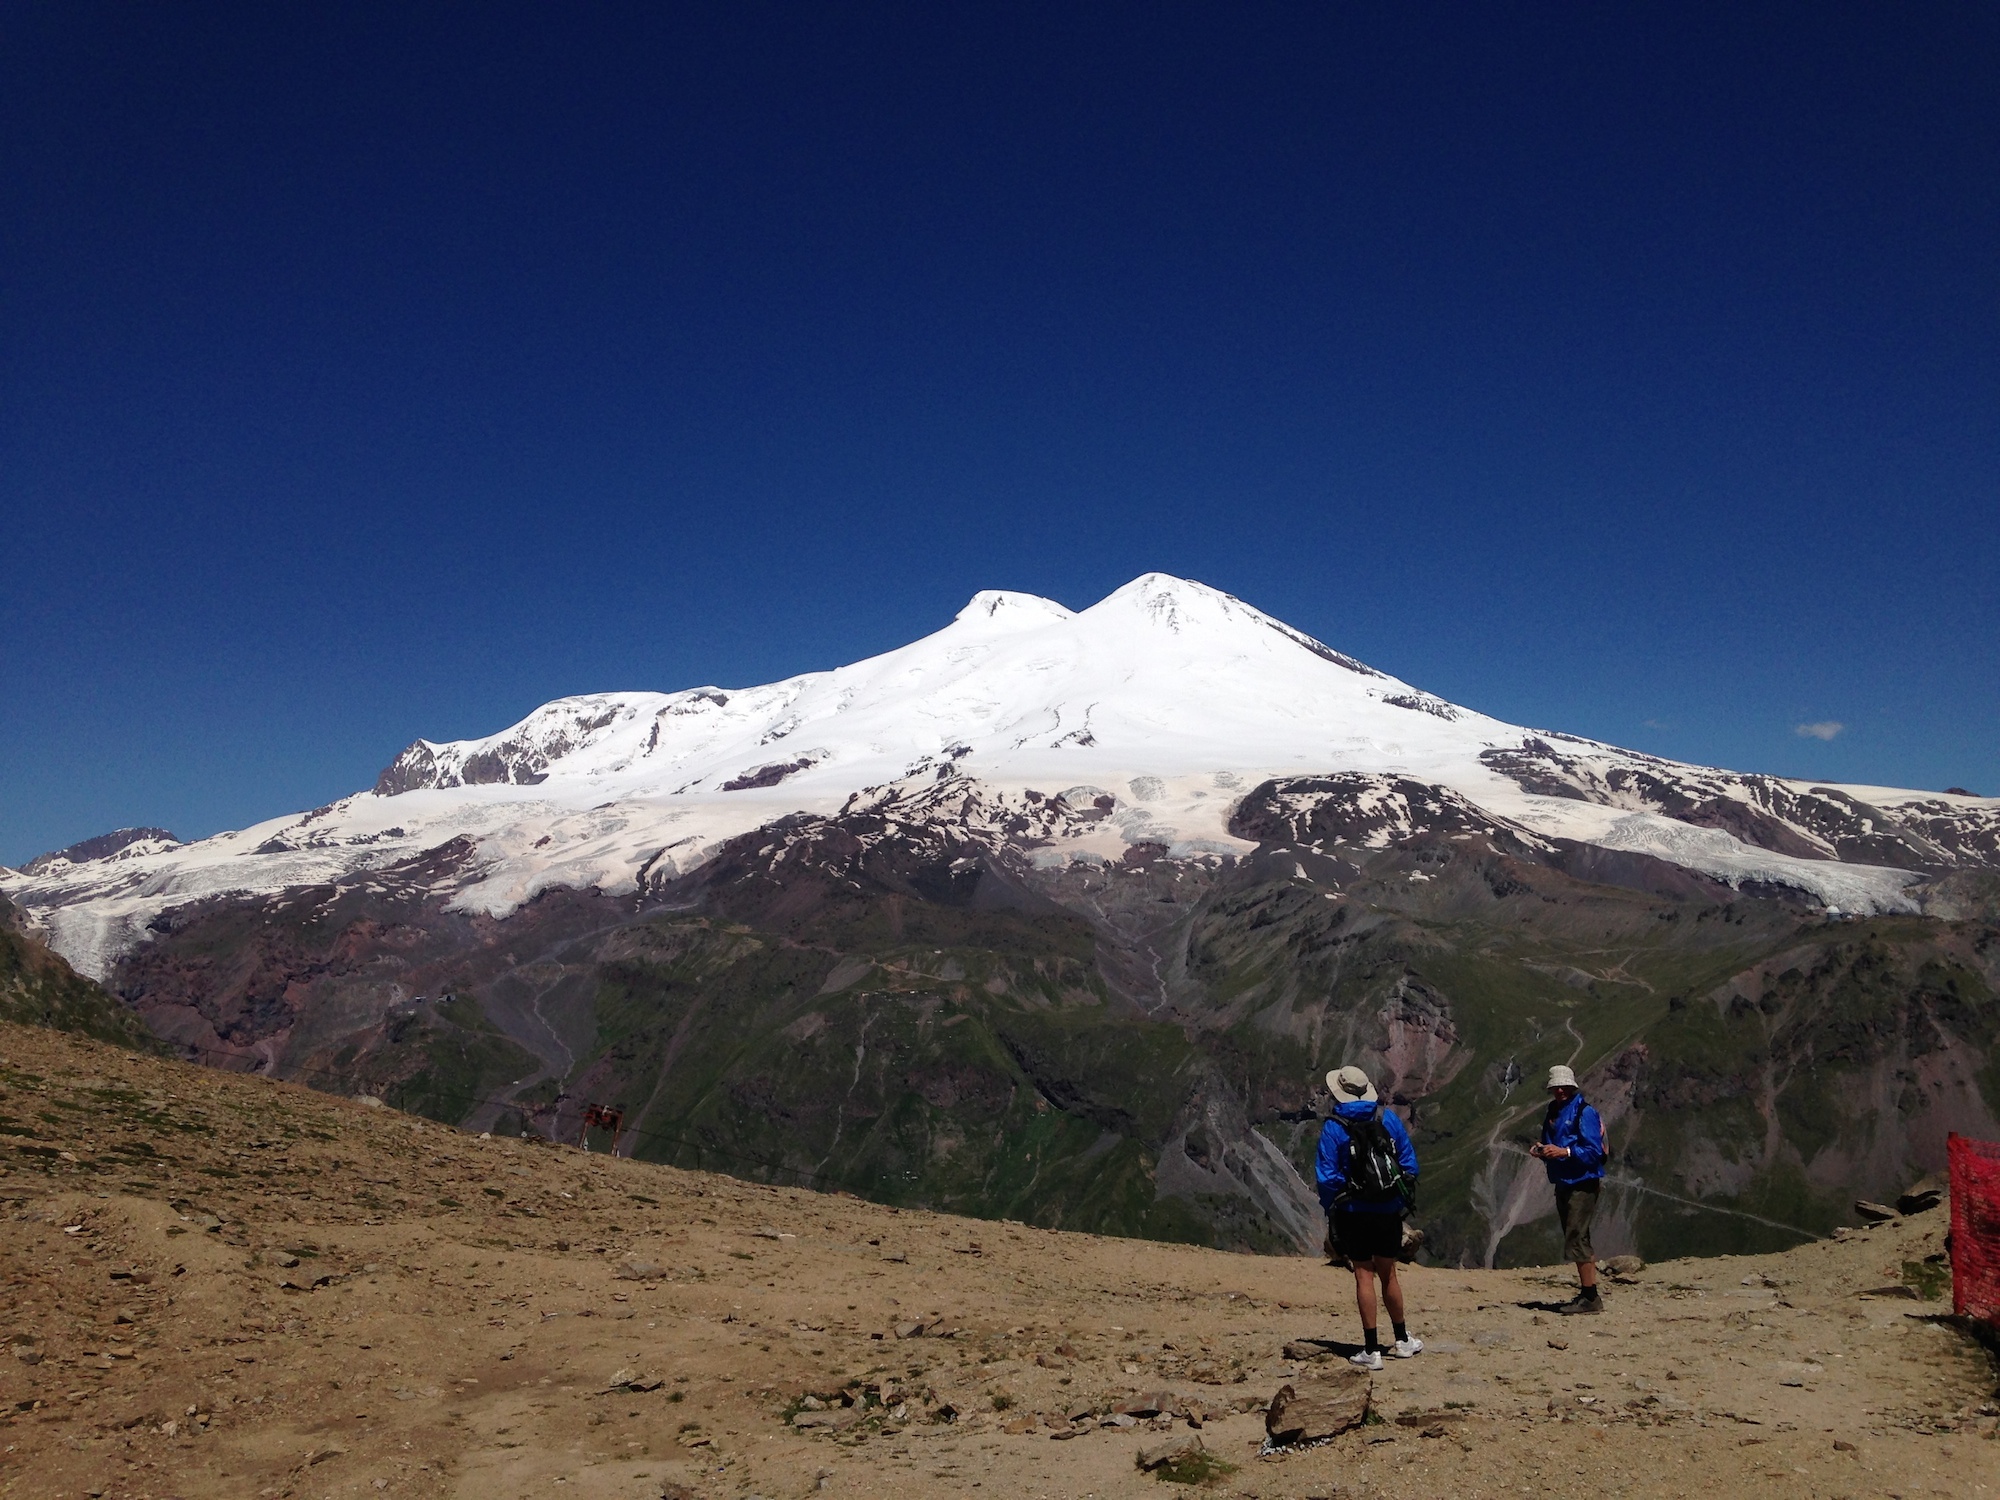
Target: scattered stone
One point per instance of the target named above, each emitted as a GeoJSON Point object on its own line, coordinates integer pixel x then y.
{"type": "Point", "coordinates": [1919, 1200]}
{"type": "Point", "coordinates": [1622, 1265]}
{"type": "Point", "coordinates": [1841, 1445]}
{"type": "Point", "coordinates": [1153, 1404]}
{"type": "Point", "coordinates": [1051, 1361]}
{"type": "Point", "coordinates": [1018, 1426]}
{"type": "Point", "coordinates": [634, 1269]}
{"type": "Point", "coordinates": [1427, 1418]}
{"type": "Point", "coordinates": [1305, 1351]}
{"type": "Point", "coordinates": [1310, 1410]}
{"type": "Point", "coordinates": [1558, 1343]}
{"type": "Point", "coordinates": [1896, 1289]}
{"type": "Point", "coordinates": [896, 1258]}
{"type": "Point", "coordinates": [1873, 1213]}
{"type": "Point", "coordinates": [1154, 1457]}
{"type": "Point", "coordinates": [1119, 1419]}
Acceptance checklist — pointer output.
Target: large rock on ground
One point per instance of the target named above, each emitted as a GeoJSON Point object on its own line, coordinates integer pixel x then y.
{"type": "Point", "coordinates": [1310, 1410]}
{"type": "Point", "coordinates": [1169, 1452]}
{"type": "Point", "coordinates": [1920, 1199]}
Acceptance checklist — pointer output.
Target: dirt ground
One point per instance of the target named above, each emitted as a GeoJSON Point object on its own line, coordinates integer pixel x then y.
{"type": "Point", "coordinates": [220, 1286]}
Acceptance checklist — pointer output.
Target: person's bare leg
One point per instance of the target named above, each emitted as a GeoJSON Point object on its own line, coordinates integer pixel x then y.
{"type": "Point", "coordinates": [1364, 1293]}
{"type": "Point", "coordinates": [1586, 1274]}
{"type": "Point", "coordinates": [1392, 1290]}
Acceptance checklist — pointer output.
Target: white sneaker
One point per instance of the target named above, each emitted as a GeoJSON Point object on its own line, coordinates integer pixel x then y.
{"type": "Point", "coordinates": [1366, 1359]}
{"type": "Point", "coordinates": [1408, 1348]}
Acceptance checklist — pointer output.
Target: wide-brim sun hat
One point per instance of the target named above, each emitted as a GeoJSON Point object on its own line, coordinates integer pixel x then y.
{"type": "Point", "coordinates": [1561, 1077]}
{"type": "Point", "coordinates": [1350, 1085]}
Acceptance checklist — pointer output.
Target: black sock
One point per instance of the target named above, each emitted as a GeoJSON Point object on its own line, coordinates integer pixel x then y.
{"type": "Point", "coordinates": [1368, 1340]}
{"type": "Point", "coordinates": [1590, 1293]}
{"type": "Point", "coordinates": [1402, 1332]}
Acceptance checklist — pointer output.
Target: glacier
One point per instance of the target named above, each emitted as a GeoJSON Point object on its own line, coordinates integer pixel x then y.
{"type": "Point", "coordinates": [1160, 706]}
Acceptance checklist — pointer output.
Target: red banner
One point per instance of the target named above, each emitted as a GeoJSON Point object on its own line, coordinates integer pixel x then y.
{"type": "Point", "coordinates": [1975, 1228]}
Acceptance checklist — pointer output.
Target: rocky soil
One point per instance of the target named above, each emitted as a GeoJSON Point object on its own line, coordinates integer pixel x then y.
{"type": "Point", "coordinates": [216, 1285]}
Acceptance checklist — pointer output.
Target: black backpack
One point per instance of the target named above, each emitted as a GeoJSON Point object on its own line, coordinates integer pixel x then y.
{"type": "Point", "coordinates": [1374, 1171]}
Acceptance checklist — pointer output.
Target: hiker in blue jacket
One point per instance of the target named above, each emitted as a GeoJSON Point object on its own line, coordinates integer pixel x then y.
{"type": "Point", "coordinates": [1572, 1151]}
{"type": "Point", "coordinates": [1367, 1176]}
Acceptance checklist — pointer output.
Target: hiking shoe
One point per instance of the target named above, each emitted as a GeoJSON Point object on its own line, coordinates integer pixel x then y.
{"type": "Point", "coordinates": [1366, 1359]}
{"type": "Point", "coordinates": [1582, 1302]}
{"type": "Point", "coordinates": [1408, 1348]}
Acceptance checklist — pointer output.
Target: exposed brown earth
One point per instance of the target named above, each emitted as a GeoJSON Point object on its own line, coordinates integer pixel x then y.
{"type": "Point", "coordinates": [222, 1286]}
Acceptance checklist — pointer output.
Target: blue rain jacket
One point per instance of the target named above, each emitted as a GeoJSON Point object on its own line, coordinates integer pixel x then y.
{"type": "Point", "coordinates": [1336, 1150]}
{"type": "Point", "coordinates": [1577, 1126]}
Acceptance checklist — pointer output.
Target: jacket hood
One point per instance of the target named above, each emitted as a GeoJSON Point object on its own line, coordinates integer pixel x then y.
{"type": "Point", "coordinates": [1356, 1109]}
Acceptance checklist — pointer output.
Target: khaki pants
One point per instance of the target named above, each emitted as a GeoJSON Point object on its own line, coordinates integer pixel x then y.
{"type": "Point", "coordinates": [1576, 1206]}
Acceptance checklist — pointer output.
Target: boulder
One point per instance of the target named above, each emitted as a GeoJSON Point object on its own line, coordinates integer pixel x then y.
{"type": "Point", "coordinates": [1622, 1265]}
{"type": "Point", "coordinates": [1873, 1213]}
{"type": "Point", "coordinates": [634, 1269]}
{"type": "Point", "coordinates": [1308, 1410]}
{"type": "Point", "coordinates": [1170, 1451]}
{"type": "Point", "coordinates": [1919, 1200]}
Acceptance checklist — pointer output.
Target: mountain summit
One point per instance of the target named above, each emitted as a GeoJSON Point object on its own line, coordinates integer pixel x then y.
{"type": "Point", "coordinates": [1167, 697]}
{"type": "Point", "coordinates": [1058, 915]}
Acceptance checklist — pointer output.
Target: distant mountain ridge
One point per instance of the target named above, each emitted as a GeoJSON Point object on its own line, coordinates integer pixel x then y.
{"type": "Point", "coordinates": [1168, 697]}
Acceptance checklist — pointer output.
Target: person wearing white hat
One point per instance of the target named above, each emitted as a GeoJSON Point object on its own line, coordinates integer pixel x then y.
{"type": "Point", "coordinates": [1367, 1175]}
{"type": "Point", "coordinates": [1572, 1151]}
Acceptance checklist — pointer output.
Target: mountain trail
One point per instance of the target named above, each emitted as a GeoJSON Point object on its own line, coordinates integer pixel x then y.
{"type": "Point", "coordinates": [219, 1285]}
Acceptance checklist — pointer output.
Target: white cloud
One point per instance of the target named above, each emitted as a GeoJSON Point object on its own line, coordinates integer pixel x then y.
{"type": "Point", "coordinates": [1826, 729]}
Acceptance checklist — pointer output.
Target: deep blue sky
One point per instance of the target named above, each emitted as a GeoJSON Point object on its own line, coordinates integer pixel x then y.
{"type": "Point", "coordinates": [1629, 370]}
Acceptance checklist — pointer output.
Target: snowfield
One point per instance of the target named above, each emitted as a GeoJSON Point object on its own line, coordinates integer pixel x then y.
{"type": "Point", "coordinates": [1167, 697]}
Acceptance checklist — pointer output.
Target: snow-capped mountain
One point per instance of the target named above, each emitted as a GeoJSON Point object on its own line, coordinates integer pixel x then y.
{"type": "Point", "coordinates": [1142, 720]}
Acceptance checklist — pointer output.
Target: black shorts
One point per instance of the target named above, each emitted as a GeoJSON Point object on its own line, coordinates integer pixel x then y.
{"type": "Point", "coordinates": [1367, 1236]}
